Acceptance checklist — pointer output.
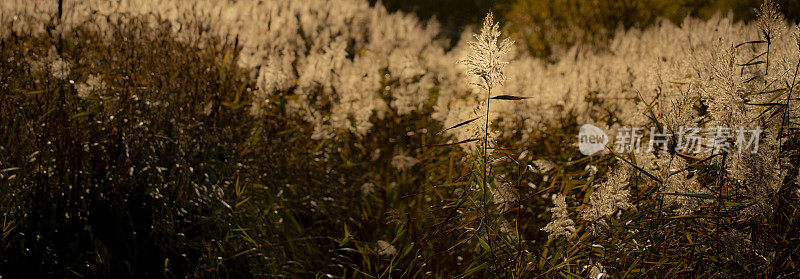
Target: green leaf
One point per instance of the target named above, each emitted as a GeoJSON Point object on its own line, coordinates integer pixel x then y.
{"type": "Point", "coordinates": [346, 236]}
{"type": "Point", "coordinates": [768, 104]}
{"type": "Point", "coordinates": [751, 42]}
{"type": "Point", "coordinates": [457, 143]}
{"type": "Point", "coordinates": [732, 204]}
{"type": "Point", "coordinates": [509, 97]}
{"type": "Point", "coordinates": [470, 271]}
{"type": "Point", "coordinates": [635, 166]}
{"type": "Point", "coordinates": [694, 195]}
{"type": "Point", "coordinates": [753, 63]}
{"type": "Point", "coordinates": [460, 124]}
{"type": "Point", "coordinates": [484, 244]}
{"type": "Point", "coordinates": [36, 92]}
{"type": "Point", "coordinates": [82, 114]}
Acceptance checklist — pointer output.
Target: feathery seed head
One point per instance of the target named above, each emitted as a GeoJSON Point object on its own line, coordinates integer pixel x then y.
{"type": "Point", "coordinates": [610, 197]}
{"type": "Point", "coordinates": [486, 60]}
{"type": "Point", "coordinates": [386, 248]}
{"type": "Point", "coordinates": [402, 162]}
{"type": "Point", "coordinates": [769, 19]}
{"type": "Point", "coordinates": [93, 83]}
{"type": "Point", "coordinates": [60, 68]}
{"type": "Point", "coordinates": [796, 35]}
{"type": "Point", "coordinates": [561, 224]}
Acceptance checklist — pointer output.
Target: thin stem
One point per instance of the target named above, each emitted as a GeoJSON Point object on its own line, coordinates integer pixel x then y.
{"type": "Point", "coordinates": [766, 68]}
{"type": "Point", "coordinates": [522, 171]}
{"type": "Point", "coordinates": [660, 211]}
{"type": "Point", "coordinates": [485, 167]}
{"type": "Point", "coordinates": [720, 200]}
{"type": "Point", "coordinates": [786, 114]}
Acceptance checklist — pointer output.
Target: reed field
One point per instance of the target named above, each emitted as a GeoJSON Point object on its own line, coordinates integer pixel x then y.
{"type": "Point", "coordinates": [399, 139]}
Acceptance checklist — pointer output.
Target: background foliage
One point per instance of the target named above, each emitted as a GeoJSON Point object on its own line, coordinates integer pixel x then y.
{"type": "Point", "coordinates": [547, 26]}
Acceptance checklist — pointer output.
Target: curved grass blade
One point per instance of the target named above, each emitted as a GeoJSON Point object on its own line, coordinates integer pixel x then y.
{"type": "Point", "coordinates": [509, 97]}
{"type": "Point", "coordinates": [460, 124]}
{"type": "Point", "coordinates": [457, 143]}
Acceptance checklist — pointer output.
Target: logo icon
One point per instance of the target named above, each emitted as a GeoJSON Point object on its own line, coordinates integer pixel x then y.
{"type": "Point", "coordinates": [591, 139]}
